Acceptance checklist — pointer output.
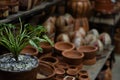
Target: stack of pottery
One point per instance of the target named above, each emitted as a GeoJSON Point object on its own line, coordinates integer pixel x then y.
{"type": "Point", "coordinates": [79, 7]}
{"type": "Point", "coordinates": [100, 6]}
{"type": "Point", "coordinates": [89, 54]}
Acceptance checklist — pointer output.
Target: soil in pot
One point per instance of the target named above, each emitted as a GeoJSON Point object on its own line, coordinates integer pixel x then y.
{"type": "Point", "coordinates": [46, 71]}
{"type": "Point", "coordinates": [23, 69]}
{"type": "Point", "coordinates": [73, 57]}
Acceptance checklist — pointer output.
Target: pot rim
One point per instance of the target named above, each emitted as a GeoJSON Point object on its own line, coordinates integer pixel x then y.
{"type": "Point", "coordinates": [61, 42]}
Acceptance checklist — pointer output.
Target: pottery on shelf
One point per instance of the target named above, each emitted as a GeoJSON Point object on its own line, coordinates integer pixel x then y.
{"type": "Point", "coordinates": [60, 71]}
{"type": "Point", "coordinates": [30, 51]}
{"type": "Point", "coordinates": [46, 71]}
{"type": "Point", "coordinates": [49, 59]}
{"type": "Point", "coordinates": [62, 46]}
{"type": "Point", "coordinates": [89, 51]}
{"type": "Point", "coordinates": [72, 57]}
{"type": "Point", "coordinates": [62, 65]}
{"type": "Point", "coordinates": [83, 72]}
{"type": "Point", "coordinates": [84, 77]}
{"type": "Point", "coordinates": [72, 72]}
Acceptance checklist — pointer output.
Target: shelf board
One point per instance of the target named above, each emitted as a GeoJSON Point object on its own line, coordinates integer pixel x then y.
{"type": "Point", "coordinates": [29, 12]}
{"type": "Point", "coordinates": [94, 70]}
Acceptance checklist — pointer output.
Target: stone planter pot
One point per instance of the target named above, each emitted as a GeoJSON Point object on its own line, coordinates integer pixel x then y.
{"type": "Point", "coordinates": [49, 59]}
{"type": "Point", "coordinates": [62, 46]}
{"type": "Point", "coordinates": [46, 71]}
{"type": "Point", "coordinates": [30, 51]}
{"type": "Point", "coordinates": [16, 69]}
{"type": "Point", "coordinates": [72, 57]}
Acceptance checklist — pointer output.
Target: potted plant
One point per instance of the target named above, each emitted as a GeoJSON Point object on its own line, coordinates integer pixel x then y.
{"type": "Point", "coordinates": [16, 66]}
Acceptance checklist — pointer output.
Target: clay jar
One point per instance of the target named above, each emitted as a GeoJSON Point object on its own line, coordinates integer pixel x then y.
{"type": "Point", "coordinates": [104, 5]}
{"type": "Point", "coordinates": [79, 7]}
{"type": "Point", "coordinates": [72, 57]}
{"type": "Point", "coordinates": [30, 51]}
{"type": "Point", "coordinates": [49, 59]}
{"type": "Point", "coordinates": [46, 71]}
{"type": "Point", "coordinates": [62, 46]}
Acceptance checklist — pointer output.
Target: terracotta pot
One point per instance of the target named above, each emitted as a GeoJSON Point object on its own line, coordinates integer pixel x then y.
{"type": "Point", "coordinates": [79, 7]}
{"type": "Point", "coordinates": [81, 22]}
{"type": "Point", "coordinates": [4, 12]}
{"type": "Point", "coordinates": [47, 48]}
{"type": "Point", "coordinates": [62, 65]}
{"type": "Point", "coordinates": [62, 46]}
{"type": "Point", "coordinates": [89, 51]}
{"type": "Point", "coordinates": [72, 57]}
{"type": "Point", "coordinates": [46, 71]}
{"type": "Point", "coordinates": [69, 78]}
{"type": "Point", "coordinates": [30, 51]}
{"type": "Point", "coordinates": [89, 61]}
{"type": "Point", "coordinates": [83, 72]}
{"type": "Point", "coordinates": [49, 59]}
{"type": "Point", "coordinates": [28, 74]}
{"type": "Point", "coordinates": [84, 77]}
{"type": "Point", "coordinates": [72, 72]}
{"type": "Point", "coordinates": [117, 43]}
{"type": "Point", "coordinates": [60, 71]}
{"type": "Point", "coordinates": [100, 5]}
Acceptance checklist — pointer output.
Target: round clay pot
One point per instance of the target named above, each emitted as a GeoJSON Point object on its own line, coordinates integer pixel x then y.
{"type": "Point", "coordinates": [84, 77]}
{"type": "Point", "coordinates": [59, 71]}
{"type": "Point", "coordinates": [89, 51]}
{"type": "Point", "coordinates": [79, 7]}
{"type": "Point", "coordinates": [62, 65]}
{"type": "Point", "coordinates": [47, 48]}
{"type": "Point", "coordinates": [72, 72]}
{"type": "Point", "coordinates": [69, 78]}
{"type": "Point", "coordinates": [46, 71]}
{"type": "Point", "coordinates": [72, 57]}
{"type": "Point", "coordinates": [83, 72]}
{"type": "Point", "coordinates": [49, 59]}
{"type": "Point", "coordinates": [89, 61]}
{"type": "Point", "coordinates": [62, 46]}
{"type": "Point", "coordinates": [30, 51]}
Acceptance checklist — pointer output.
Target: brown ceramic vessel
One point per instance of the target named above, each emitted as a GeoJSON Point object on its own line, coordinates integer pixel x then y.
{"type": "Point", "coordinates": [73, 57]}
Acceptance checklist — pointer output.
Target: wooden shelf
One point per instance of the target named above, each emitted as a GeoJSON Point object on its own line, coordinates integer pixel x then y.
{"type": "Point", "coordinates": [94, 70]}
{"type": "Point", "coordinates": [30, 12]}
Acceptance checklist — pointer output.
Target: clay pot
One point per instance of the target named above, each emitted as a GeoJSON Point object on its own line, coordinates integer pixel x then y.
{"type": "Point", "coordinates": [84, 77]}
{"type": "Point", "coordinates": [47, 48]}
{"type": "Point", "coordinates": [59, 71]}
{"type": "Point", "coordinates": [30, 51]}
{"type": "Point", "coordinates": [46, 71]}
{"type": "Point", "coordinates": [89, 61]}
{"type": "Point", "coordinates": [72, 72]}
{"type": "Point", "coordinates": [83, 72]}
{"type": "Point", "coordinates": [69, 78]}
{"type": "Point", "coordinates": [89, 51]}
{"type": "Point", "coordinates": [117, 43]}
{"type": "Point", "coordinates": [62, 46]}
{"type": "Point", "coordinates": [49, 59]}
{"type": "Point", "coordinates": [100, 5]}
{"type": "Point", "coordinates": [62, 65]}
{"type": "Point", "coordinates": [72, 57]}
{"type": "Point", "coordinates": [81, 22]}
{"type": "Point", "coordinates": [79, 7]}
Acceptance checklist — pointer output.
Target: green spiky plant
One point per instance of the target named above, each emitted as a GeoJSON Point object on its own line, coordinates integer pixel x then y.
{"type": "Point", "coordinates": [26, 35]}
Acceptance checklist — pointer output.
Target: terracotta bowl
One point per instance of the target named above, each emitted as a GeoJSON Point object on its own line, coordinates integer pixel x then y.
{"type": "Point", "coordinates": [73, 57]}
{"type": "Point", "coordinates": [62, 46]}
{"type": "Point", "coordinates": [49, 59]}
{"type": "Point", "coordinates": [46, 71]}
{"type": "Point", "coordinates": [30, 51]}
{"type": "Point", "coordinates": [89, 51]}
